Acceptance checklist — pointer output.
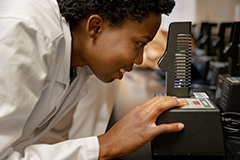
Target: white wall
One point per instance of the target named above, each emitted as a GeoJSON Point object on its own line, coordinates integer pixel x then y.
{"type": "Point", "coordinates": [197, 11]}
{"type": "Point", "coordinates": [216, 10]}
{"type": "Point", "coordinates": [184, 10]}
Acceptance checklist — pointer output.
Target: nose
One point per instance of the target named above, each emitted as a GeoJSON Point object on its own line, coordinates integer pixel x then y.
{"type": "Point", "coordinates": [139, 58]}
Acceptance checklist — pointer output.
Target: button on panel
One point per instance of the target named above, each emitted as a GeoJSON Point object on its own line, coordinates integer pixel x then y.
{"type": "Point", "coordinates": [197, 103]}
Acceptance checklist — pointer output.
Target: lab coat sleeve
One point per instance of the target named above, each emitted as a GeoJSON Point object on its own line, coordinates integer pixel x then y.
{"type": "Point", "coordinates": [23, 71]}
{"type": "Point", "coordinates": [82, 149]}
{"type": "Point", "coordinates": [21, 78]}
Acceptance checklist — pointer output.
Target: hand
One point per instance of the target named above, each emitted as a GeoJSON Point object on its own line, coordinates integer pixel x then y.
{"type": "Point", "coordinates": [138, 127]}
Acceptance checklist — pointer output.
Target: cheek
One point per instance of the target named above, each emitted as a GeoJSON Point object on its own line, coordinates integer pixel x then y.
{"type": "Point", "coordinates": [111, 61]}
{"type": "Point", "coordinates": [121, 55]}
{"type": "Point", "coordinates": [117, 52]}
{"type": "Point", "coordinates": [126, 52]}
{"type": "Point", "coordinates": [125, 57]}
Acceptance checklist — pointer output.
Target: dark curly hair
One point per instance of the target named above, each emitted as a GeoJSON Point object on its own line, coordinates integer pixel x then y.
{"type": "Point", "coordinates": [115, 11]}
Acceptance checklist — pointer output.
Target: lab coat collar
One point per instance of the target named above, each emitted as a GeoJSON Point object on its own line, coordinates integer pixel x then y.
{"type": "Point", "coordinates": [54, 3]}
{"type": "Point", "coordinates": [87, 71]}
{"type": "Point", "coordinates": [66, 60]}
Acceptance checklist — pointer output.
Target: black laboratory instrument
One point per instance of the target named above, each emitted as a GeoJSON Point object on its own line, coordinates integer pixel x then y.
{"type": "Point", "coordinates": [203, 52]}
{"type": "Point", "coordinates": [176, 61]}
{"type": "Point", "coordinates": [219, 65]}
{"type": "Point", "coordinates": [204, 39]}
{"type": "Point", "coordinates": [228, 86]}
{"type": "Point", "coordinates": [202, 136]}
{"type": "Point", "coordinates": [222, 40]}
{"type": "Point", "coordinates": [232, 50]}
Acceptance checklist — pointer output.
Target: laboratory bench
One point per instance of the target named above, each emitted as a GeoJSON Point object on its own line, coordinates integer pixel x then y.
{"type": "Point", "coordinates": [141, 85]}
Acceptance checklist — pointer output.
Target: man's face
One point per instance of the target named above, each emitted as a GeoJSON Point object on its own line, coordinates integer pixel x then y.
{"type": "Point", "coordinates": [116, 49]}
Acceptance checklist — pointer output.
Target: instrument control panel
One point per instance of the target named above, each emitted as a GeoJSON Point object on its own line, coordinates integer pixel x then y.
{"type": "Point", "coordinates": [197, 103]}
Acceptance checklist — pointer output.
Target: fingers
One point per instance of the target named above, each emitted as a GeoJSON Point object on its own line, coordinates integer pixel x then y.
{"type": "Point", "coordinates": [182, 101]}
{"type": "Point", "coordinates": [161, 104]}
{"type": "Point", "coordinates": [167, 128]}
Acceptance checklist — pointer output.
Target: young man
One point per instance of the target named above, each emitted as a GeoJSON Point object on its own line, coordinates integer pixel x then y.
{"type": "Point", "coordinates": [48, 50]}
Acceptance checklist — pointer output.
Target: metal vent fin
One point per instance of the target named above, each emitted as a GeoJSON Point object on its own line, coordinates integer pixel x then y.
{"type": "Point", "coordinates": [182, 61]}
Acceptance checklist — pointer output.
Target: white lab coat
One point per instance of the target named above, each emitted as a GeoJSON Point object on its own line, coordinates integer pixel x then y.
{"type": "Point", "coordinates": [96, 107]}
{"type": "Point", "coordinates": [35, 93]}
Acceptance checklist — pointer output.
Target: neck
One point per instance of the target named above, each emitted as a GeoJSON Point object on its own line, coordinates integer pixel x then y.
{"type": "Point", "coordinates": [78, 49]}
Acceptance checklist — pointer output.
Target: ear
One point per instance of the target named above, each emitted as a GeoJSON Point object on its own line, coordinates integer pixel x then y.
{"type": "Point", "coordinates": [94, 25]}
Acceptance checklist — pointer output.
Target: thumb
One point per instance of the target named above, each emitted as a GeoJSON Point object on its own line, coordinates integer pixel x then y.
{"type": "Point", "coordinates": [167, 128]}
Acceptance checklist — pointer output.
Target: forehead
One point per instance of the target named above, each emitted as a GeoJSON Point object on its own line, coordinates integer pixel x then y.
{"type": "Point", "coordinates": [147, 28]}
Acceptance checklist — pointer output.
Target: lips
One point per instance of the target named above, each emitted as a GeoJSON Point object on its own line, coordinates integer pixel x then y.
{"type": "Point", "coordinates": [122, 71]}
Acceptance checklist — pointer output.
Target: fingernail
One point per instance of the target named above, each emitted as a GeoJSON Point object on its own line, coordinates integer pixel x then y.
{"type": "Point", "coordinates": [180, 126]}
{"type": "Point", "coordinates": [182, 101]}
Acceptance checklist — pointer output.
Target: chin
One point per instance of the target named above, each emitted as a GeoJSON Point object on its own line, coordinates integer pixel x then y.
{"type": "Point", "coordinates": [106, 80]}
{"type": "Point", "coordinates": [109, 81]}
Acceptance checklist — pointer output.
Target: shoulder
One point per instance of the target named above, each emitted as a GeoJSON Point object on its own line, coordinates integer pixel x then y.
{"type": "Point", "coordinates": [40, 15]}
